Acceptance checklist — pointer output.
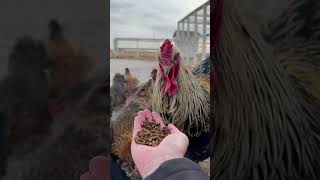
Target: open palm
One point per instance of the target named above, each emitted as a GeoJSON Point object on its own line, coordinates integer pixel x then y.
{"type": "Point", "coordinates": [147, 159]}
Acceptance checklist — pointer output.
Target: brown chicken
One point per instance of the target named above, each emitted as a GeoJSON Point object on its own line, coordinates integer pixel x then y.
{"type": "Point", "coordinates": [78, 134]}
{"type": "Point", "coordinates": [131, 83]}
{"type": "Point", "coordinates": [153, 74]}
{"type": "Point", "coordinates": [122, 126]}
{"type": "Point", "coordinates": [68, 65]}
{"type": "Point", "coordinates": [66, 154]}
{"type": "Point", "coordinates": [25, 119]}
{"type": "Point", "coordinates": [117, 91]}
{"type": "Point", "coordinates": [25, 90]}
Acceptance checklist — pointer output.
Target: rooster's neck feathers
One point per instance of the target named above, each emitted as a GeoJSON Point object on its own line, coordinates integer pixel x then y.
{"type": "Point", "coordinates": [263, 125]}
{"type": "Point", "coordinates": [188, 108]}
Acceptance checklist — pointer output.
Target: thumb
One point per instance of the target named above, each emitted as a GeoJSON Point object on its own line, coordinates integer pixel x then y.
{"type": "Point", "coordinates": [176, 140]}
{"type": "Point", "coordinates": [173, 129]}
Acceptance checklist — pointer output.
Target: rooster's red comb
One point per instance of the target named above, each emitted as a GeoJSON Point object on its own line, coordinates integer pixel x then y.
{"type": "Point", "coordinates": [166, 50]}
{"type": "Point", "coordinates": [166, 47]}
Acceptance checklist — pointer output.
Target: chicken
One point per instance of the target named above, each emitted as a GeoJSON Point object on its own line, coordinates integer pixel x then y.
{"type": "Point", "coordinates": [41, 148]}
{"type": "Point", "coordinates": [153, 74]}
{"type": "Point", "coordinates": [76, 136]}
{"type": "Point", "coordinates": [25, 118]}
{"type": "Point", "coordinates": [182, 98]}
{"type": "Point", "coordinates": [130, 82]}
{"type": "Point", "coordinates": [266, 122]}
{"type": "Point", "coordinates": [69, 65]}
{"type": "Point", "coordinates": [25, 90]}
{"type": "Point", "coordinates": [117, 91]}
{"type": "Point", "coordinates": [296, 43]}
{"type": "Point", "coordinates": [94, 101]}
{"type": "Point", "coordinates": [122, 125]}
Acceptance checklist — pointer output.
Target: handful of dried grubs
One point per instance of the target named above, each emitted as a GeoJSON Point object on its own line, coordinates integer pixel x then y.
{"type": "Point", "coordinates": [151, 133]}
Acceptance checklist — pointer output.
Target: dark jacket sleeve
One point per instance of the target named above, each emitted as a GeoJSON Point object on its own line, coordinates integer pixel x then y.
{"type": "Point", "coordinates": [181, 168]}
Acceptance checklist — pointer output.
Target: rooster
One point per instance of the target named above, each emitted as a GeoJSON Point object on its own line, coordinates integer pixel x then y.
{"type": "Point", "coordinates": [182, 98]}
{"type": "Point", "coordinates": [68, 65]}
{"type": "Point", "coordinates": [267, 116]}
{"type": "Point", "coordinates": [296, 42]}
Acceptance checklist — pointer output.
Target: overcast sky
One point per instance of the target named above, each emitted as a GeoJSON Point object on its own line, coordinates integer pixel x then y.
{"type": "Point", "coordinates": [148, 19]}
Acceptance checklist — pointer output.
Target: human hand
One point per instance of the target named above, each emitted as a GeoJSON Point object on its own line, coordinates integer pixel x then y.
{"type": "Point", "coordinates": [146, 158]}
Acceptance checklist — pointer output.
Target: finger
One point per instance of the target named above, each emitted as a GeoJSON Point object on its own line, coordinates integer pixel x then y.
{"type": "Point", "coordinates": [148, 114]}
{"type": "Point", "coordinates": [173, 129]}
{"type": "Point", "coordinates": [138, 120]}
{"type": "Point", "coordinates": [156, 116]}
{"type": "Point", "coordinates": [141, 113]}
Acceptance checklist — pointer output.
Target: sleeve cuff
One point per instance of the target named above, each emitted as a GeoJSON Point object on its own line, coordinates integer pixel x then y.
{"type": "Point", "coordinates": [174, 166]}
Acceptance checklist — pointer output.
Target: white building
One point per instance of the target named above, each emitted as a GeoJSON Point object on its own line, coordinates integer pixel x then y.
{"type": "Point", "coordinates": [192, 36]}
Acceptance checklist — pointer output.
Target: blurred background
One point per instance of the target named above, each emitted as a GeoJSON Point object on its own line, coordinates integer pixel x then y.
{"type": "Point", "coordinates": [84, 22]}
{"type": "Point", "coordinates": [53, 88]}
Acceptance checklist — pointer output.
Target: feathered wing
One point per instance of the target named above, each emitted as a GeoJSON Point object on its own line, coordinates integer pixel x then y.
{"type": "Point", "coordinates": [295, 36]}
{"type": "Point", "coordinates": [264, 128]}
{"type": "Point", "coordinates": [300, 20]}
{"type": "Point", "coordinates": [202, 68]}
{"type": "Point", "coordinates": [204, 82]}
{"type": "Point", "coordinates": [202, 74]}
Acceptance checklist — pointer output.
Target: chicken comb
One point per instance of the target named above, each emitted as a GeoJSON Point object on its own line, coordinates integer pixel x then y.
{"type": "Point", "coordinates": [166, 50]}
